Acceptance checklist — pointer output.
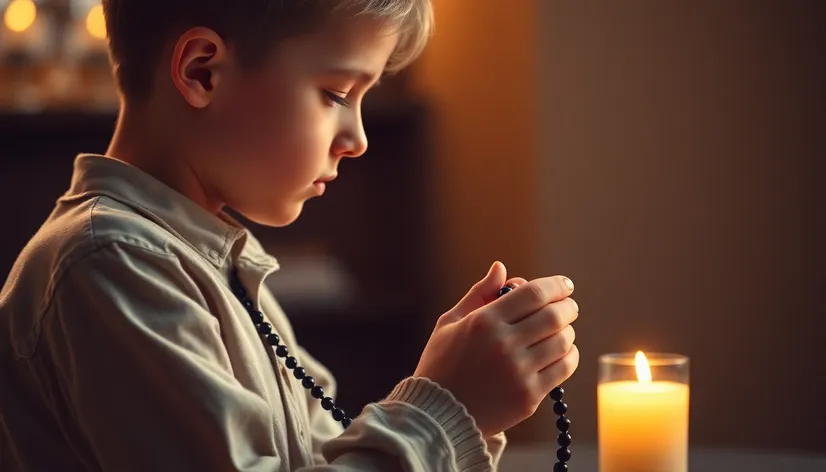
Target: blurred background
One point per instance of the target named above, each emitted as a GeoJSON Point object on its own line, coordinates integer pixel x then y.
{"type": "Point", "coordinates": [667, 156]}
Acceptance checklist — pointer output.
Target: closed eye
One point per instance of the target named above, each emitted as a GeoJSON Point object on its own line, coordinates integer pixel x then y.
{"type": "Point", "coordinates": [337, 99]}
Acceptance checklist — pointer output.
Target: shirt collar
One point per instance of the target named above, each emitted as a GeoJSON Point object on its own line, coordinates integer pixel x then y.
{"type": "Point", "coordinates": [215, 237]}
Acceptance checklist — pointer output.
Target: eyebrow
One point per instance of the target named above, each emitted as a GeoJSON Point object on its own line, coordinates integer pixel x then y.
{"type": "Point", "coordinates": [359, 74]}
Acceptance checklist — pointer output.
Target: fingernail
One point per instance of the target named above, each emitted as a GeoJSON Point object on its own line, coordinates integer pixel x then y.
{"type": "Point", "coordinates": [569, 283]}
{"type": "Point", "coordinates": [576, 305]}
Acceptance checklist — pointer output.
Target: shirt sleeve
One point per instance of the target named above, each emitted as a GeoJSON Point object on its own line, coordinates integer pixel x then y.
{"type": "Point", "coordinates": [417, 417]}
{"type": "Point", "coordinates": [496, 446]}
{"type": "Point", "coordinates": [142, 365]}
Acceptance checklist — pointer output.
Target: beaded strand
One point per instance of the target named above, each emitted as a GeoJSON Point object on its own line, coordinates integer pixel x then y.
{"type": "Point", "coordinates": [271, 338]}
{"type": "Point", "coordinates": [265, 329]}
{"type": "Point", "coordinates": [563, 423]}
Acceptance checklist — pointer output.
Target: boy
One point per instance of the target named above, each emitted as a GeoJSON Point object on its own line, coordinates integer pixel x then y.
{"type": "Point", "coordinates": [135, 331]}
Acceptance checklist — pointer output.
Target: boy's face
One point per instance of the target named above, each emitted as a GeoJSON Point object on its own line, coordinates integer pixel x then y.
{"type": "Point", "coordinates": [272, 134]}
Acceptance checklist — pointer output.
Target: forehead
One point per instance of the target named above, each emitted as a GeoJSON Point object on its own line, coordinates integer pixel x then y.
{"type": "Point", "coordinates": [359, 43]}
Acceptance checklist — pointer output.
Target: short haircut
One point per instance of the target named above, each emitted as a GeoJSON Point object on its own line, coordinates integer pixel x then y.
{"type": "Point", "coordinates": [138, 30]}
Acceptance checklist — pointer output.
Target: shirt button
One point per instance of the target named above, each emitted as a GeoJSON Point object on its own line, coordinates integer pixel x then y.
{"type": "Point", "coordinates": [301, 433]}
{"type": "Point", "coordinates": [213, 253]}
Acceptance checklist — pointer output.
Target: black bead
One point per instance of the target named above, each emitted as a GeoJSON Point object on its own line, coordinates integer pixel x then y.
{"type": "Point", "coordinates": [347, 421]}
{"type": "Point", "coordinates": [564, 439]}
{"type": "Point", "coordinates": [563, 424]}
{"type": "Point", "coordinates": [563, 454]}
{"type": "Point", "coordinates": [338, 414]}
{"type": "Point", "coordinates": [236, 285]}
{"type": "Point", "coordinates": [504, 290]}
{"type": "Point", "coordinates": [560, 467]}
{"type": "Point", "coordinates": [557, 393]}
{"type": "Point", "coordinates": [257, 316]}
{"type": "Point", "coordinates": [299, 373]}
{"type": "Point", "coordinates": [317, 392]}
{"type": "Point", "coordinates": [327, 403]}
{"type": "Point", "coordinates": [273, 339]}
{"type": "Point", "coordinates": [308, 382]}
{"type": "Point", "coordinates": [248, 304]}
{"type": "Point", "coordinates": [282, 351]}
{"type": "Point", "coordinates": [265, 328]}
{"type": "Point", "coordinates": [560, 408]}
{"type": "Point", "coordinates": [291, 362]}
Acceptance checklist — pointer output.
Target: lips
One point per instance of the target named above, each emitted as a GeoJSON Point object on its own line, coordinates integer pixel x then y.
{"type": "Point", "coordinates": [326, 179]}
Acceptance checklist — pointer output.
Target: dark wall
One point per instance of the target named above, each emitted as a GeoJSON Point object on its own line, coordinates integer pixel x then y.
{"type": "Point", "coordinates": [683, 192]}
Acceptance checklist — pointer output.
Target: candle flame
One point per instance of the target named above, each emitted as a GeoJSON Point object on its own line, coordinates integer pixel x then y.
{"type": "Point", "coordinates": [643, 369]}
{"type": "Point", "coordinates": [20, 15]}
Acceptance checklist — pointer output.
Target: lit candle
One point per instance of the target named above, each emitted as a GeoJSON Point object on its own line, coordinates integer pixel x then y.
{"type": "Point", "coordinates": [643, 418]}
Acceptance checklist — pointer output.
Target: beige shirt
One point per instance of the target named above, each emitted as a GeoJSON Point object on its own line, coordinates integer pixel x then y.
{"type": "Point", "coordinates": [122, 348]}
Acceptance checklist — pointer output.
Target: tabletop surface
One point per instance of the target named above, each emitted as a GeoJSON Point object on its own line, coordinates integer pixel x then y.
{"type": "Point", "coordinates": [530, 459]}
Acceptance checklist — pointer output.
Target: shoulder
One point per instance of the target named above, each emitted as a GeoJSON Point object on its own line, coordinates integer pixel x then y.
{"type": "Point", "coordinates": [74, 231]}
{"type": "Point", "coordinates": [108, 221]}
{"type": "Point", "coordinates": [99, 240]}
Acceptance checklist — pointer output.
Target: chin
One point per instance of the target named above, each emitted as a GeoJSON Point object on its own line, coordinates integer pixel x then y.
{"type": "Point", "coordinates": [283, 216]}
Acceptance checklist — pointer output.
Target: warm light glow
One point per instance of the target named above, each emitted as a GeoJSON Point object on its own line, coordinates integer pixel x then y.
{"type": "Point", "coordinates": [95, 22]}
{"type": "Point", "coordinates": [20, 15]}
{"type": "Point", "coordinates": [643, 369]}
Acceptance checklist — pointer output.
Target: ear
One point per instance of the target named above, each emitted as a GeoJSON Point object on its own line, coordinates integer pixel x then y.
{"type": "Point", "coordinates": [199, 59]}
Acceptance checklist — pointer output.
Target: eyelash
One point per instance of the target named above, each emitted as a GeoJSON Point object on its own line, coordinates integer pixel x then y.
{"type": "Point", "coordinates": [337, 99]}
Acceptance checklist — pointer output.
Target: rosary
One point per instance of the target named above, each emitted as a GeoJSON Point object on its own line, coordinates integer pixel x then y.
{"type": "Point", "coordinates": [563, 423]}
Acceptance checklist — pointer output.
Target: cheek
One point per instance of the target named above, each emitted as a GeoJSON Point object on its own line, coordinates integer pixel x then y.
{"type": "Point", "coordinates": [278, 134]}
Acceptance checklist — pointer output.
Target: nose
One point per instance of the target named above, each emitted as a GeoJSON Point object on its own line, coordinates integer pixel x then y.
{"type": "Point", "coordinates": [352, 140]}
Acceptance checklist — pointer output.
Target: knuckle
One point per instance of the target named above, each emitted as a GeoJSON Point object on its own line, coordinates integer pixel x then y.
{"type": "Point", "coordinates": [559, 346]}
{"type": "Point", "coordinates": [537, 292]}
{"type": "Point", "coordinates": [482, 323]}
{"type": "Point", "coordinates": [501, 346]}
{"type": "Point", "coordinates": [554, 319]}
{"type": "Point", "coordinates": [445, 318]}
{"type": "Point", "coordinates": [562, 343]}
{"type": "Point", "coordinates": [570, 362]}
{"type": "Point", "coordinates": [568, 336]}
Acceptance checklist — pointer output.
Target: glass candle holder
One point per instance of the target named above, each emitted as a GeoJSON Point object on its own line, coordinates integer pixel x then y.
{"type": "Point", "coordinates": [642, 410]}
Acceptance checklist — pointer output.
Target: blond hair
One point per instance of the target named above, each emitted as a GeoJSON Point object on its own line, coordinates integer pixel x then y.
{"type": "Point", "coordinates": [414, 19]}
{"type": "Point", "coordinates": [138, 30]}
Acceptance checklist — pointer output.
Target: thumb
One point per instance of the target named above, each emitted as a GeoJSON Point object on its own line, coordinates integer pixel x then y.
{"type": "Point", "coordinates": [483, 291]}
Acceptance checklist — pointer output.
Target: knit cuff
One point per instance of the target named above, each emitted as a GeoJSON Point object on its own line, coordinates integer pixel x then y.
{"type": "Point", "coordinates": [456, 423]}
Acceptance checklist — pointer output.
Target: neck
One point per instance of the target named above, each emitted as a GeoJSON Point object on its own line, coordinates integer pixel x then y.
{"type": "Point", "coordinates": [144, 142]}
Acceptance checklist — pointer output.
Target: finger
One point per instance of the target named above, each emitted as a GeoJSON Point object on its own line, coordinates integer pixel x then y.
{"type": "Point", "coordinates": [550, 350]}
{"type": "Point", "coordinates": [532, 296]}
{"type": "Point", "coordinates": [548, 320]}
{"type": "Point", "coordinates": [516, 282]}
{"type": "Point", "coordinates": [552, 376]}
{"type": "Point", "coordinates": [482, 293]}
